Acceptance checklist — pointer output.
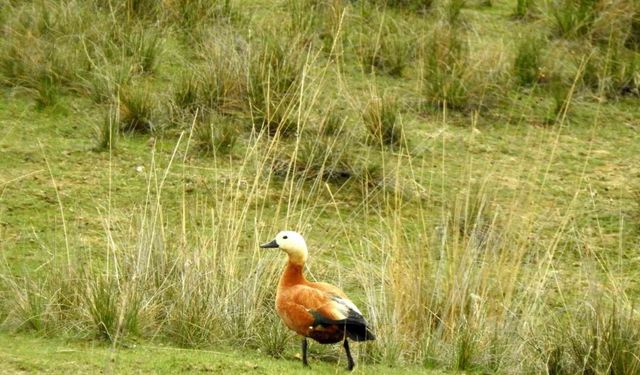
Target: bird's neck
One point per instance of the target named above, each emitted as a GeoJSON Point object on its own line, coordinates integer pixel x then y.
{"type": "Point", "coordinates": [292, 275]}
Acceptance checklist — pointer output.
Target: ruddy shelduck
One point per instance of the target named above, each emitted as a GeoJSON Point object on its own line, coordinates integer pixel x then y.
{"type": "Point", "coordinates": [319, 311]}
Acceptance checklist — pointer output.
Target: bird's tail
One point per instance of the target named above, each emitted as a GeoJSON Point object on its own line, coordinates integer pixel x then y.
{"type": "Point", "coordinates": [359, 332]}
{"type": "Point", "coordinates": [355, 326]}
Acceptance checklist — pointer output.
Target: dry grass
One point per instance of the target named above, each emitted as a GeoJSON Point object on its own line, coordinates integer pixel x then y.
{"type": "Point", "coordinates": [452, 268]}
{"type": "Point", "coordinates": [467, 289]}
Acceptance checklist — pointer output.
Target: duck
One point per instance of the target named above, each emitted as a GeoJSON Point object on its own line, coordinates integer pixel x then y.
{"type": "Point", "coordinates": [315, 310]}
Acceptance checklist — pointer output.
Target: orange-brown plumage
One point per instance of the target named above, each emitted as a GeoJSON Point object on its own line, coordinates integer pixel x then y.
{"type": "Point", "coordinates": [316, 310]}
{"type": "Point", "coordinates": [296, 297]}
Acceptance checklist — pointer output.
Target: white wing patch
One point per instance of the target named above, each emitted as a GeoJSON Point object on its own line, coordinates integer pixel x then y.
{"type": "Point", "coordinates": [345, 306]}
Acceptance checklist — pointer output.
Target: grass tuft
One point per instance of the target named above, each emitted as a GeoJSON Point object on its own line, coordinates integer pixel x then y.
{"type": "Point", "coordinates": [447, 74]}
{"type": "Point", "coordinates": [561, 93]}
{"type": "Point", "coordinates": [524, 9]}
{"type": "Point", "coordinates": [194, 16]}
{"type": "Point", "coordinates": [275, 73]}
{"type": "Point", "coordinates": [465, 346]}
{"type": "Point", "coordinates": [574, 18]}
{"type": "Point", "coordinates": [593, 339]}
{"type": "Point", "coordinates": [453, 11]}
{"type": "Point", "coordinates": [384, 45]}
{"type": "Point", "coordinates": [141, 10]}
{"type": "Point", "coordinates": [145, 45]}
{"type": "Point", "coordinates": [327, 160]}
{"type": "Point", "coordinates": [220, 84]}
{"type": "Point", "coordinates": [47, 90]}
{"type": "Point", "coordinates": [138, 110]}
{"type": "Point", "coordinates": [380, 117]}
{"type": "Point", "coordinates": [107, 133]}
{"type": "Point", "coordinates": [527, 67]}
{"type": "Point", "coordinates": [104, 83]}
{"type": "Point", "coordinates": [613, 71]}
{"type": "Point", "coordinates": [420, 6]}
{"type": "Point", "coordinates": [30, 305]}
{"type": "Point", "coordinates": [216, 135]}
{"type": "Point", "coordinates": [632, 41]}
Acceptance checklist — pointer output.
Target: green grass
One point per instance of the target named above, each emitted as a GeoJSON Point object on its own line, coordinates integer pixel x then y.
{"type": "Point", "coordinates": [469, 178]}
{"type": "Point", "coordinates": [34, 355]}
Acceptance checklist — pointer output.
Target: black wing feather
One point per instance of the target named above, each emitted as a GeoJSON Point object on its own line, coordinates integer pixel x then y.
{"type": "Point", "coordinates": [355, 325]}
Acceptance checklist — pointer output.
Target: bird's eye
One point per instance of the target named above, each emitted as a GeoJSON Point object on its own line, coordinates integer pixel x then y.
{"type": "Point", "coordinates": [285, 237]}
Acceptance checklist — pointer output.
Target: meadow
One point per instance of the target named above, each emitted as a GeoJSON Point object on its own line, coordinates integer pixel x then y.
{"type": "Point", "coordinates": [468, 171]}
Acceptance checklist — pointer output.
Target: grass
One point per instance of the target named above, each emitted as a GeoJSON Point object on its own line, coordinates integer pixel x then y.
{"type": "Point", "coordinates": [380, 118]}
{"type": "Point", "coordinates": [481, 225]}
{"type": "Point", "coordinates": [216, 135]}
{"type": "Point", "coordinates": [600, 339]}
{"type": "Point", "coordinates": [137, 110]}
{"type": "Point", "coordinates": [275, 75]}
{"type": "Point", "coordinates": [384, 45]}
{"type": "Point", "coordinates": [477, 226]}
{"type": "Point", "coordinates": [574, 18]}
{"type": "Point", "coordinates": [528, 62]}
{"type": "Point", "coordinates": [32, 354]}
{"type": "Point", "coordinates": [523, 8]}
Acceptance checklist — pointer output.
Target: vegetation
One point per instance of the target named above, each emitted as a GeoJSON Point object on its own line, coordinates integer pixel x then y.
{"type": "Point", "coordinates": [462, 168]}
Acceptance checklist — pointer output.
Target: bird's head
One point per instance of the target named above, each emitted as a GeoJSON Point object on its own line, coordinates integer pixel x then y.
{"type": "Point", "coordinates": [292, 243]}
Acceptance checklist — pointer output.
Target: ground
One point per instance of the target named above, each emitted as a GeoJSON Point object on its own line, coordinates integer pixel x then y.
{"type": "Point", "coordinates": [28, 354]}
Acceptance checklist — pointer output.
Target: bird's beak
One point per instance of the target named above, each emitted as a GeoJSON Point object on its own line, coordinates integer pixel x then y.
{"type": "Point", "coordinates": [270, 245]}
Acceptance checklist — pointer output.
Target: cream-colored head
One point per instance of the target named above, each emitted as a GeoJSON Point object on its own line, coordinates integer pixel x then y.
{"type": "Point", "coordinates": [292, 243]}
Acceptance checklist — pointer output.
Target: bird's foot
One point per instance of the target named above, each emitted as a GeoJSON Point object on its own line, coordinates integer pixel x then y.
{"type": "Point", "coordinates": [350, 367]}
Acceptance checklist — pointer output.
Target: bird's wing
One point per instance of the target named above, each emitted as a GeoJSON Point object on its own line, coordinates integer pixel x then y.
{"type": "Point", "coordinates": [350, 309]}
{"type": "Point", "coordinates": [316, 302]}
{"type": "Point", "coordinates": [348, 316]}
{"type": "Point", "coordinates": [326, 306]}
{"type": "Point", "coordinates": [328, 288]}
{"type": "Point", "coordinates": [310, 307]}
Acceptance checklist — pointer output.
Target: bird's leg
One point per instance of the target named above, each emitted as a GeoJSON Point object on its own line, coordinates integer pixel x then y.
{"type": "Point", "coordinates": [350, 362]}
{"type": "Point", "coordinates": [304, 352]}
